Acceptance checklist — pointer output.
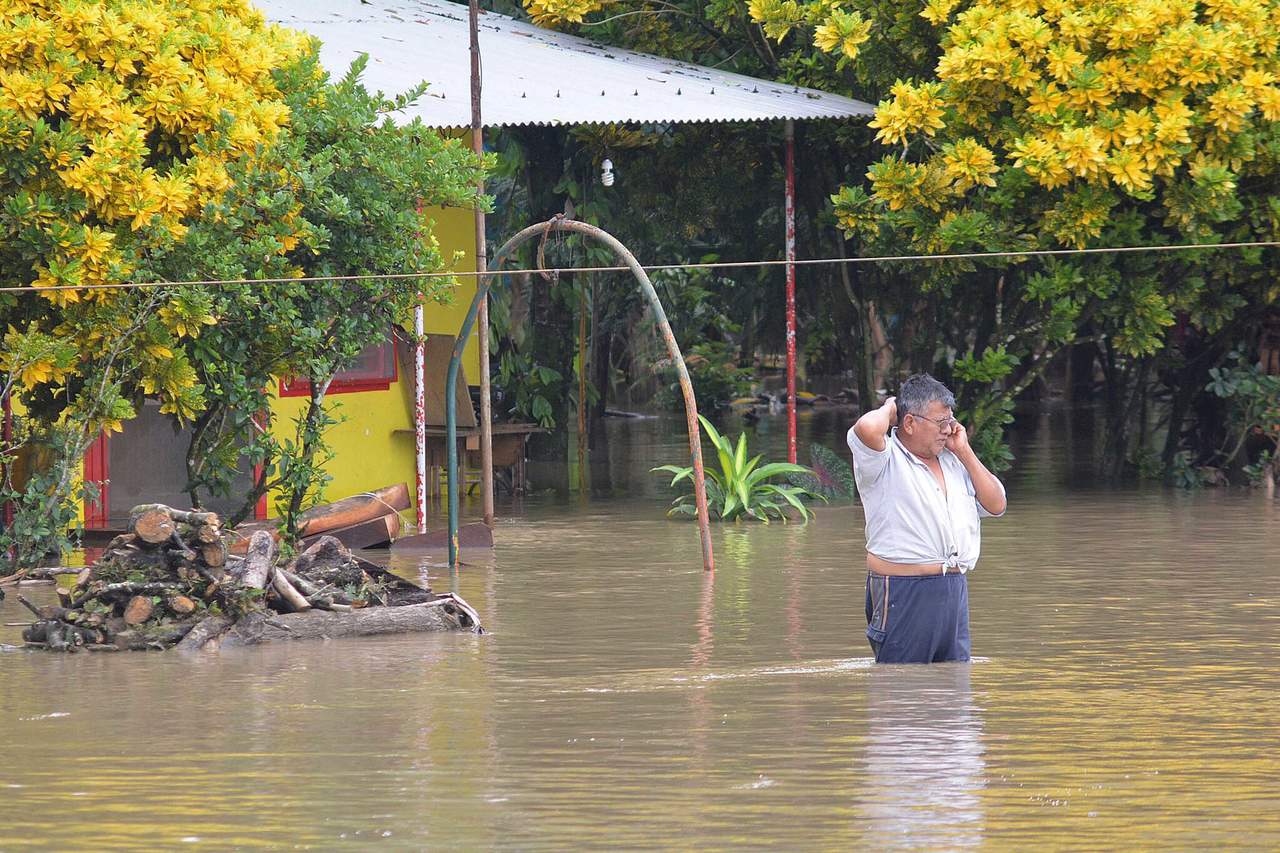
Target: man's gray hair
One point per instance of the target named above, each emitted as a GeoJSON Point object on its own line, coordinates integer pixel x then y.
{"type": "Point", "coordinates": [918, 391]}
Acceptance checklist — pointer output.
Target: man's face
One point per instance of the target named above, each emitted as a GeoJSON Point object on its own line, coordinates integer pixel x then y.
{"type": "Point", "coordinates": [929, 431]}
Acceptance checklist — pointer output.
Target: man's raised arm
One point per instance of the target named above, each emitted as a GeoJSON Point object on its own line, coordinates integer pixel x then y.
{"type": "Point", "coordinates": [872, 426]}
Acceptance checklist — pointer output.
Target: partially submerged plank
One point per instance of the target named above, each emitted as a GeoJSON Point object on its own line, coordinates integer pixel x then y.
{"type": "Point", "coordinates": [475, 535]}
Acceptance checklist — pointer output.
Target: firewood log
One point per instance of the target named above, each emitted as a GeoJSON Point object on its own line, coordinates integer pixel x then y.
{"type": "Point", "coordinates": [119, 590]}
{"type": "Point", "coordinates": [192, 517]}
{"type": "Point", "coordinates": [208, 534]}
{"type": "Point", "coordinates": [121, 540]}
{"type": "Point", "coordinates": [288, 593]}
{"type": "Point", "coordinates": [258, 560]}
{"type": "Point", "coordinates": [181, 605]}
{"type": "Point", "coordinates": [152, 525]}
{"type": "Point", "coordinates": [214, 555]}
{"type": "Point", "coordinates": [207, 629]}
{"type": "Point", "coordinates": [138, 610]}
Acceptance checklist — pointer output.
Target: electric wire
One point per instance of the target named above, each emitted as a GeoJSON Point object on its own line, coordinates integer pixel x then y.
{"type": "Point", "coordinates": [549, 271]}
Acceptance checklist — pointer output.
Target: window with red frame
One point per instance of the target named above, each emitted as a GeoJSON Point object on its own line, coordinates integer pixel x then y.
{"type": "Point", "coordinates": [374, 370]}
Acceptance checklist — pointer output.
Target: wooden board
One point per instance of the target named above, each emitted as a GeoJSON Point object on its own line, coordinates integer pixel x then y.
{"type": "Point", "coordinates": [435, 369]}
{"type": "Point", "coordinates": [372, 533]}
{"type": "Point", "coordinates": [239, 538]}
{"type": "Point", "coordinates": [353, 510]}
{"type": "Point", "coordinates": [377, 508]}
{"type": "Point", "coordinates": [476, 535]}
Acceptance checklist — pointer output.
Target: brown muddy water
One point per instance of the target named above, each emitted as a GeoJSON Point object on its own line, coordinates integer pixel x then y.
{"type": "Point", "coordinates": [1125, 695]}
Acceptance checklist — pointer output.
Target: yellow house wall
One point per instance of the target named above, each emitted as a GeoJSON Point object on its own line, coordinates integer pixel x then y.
{"type": "Point", "coordinates": [367, 452]}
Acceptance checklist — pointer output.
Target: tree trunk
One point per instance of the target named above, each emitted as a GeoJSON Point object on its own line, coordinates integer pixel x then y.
{"type": "Point", "coordinates": [205, 630]}
{"type": "Point", "coordinates": [438, 615]}
{"type": "Point", "coordinates": [308, 445]}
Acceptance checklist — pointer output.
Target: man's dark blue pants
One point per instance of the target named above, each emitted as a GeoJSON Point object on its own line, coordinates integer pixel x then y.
{"type": "Point", "coordinates": [918, 619]}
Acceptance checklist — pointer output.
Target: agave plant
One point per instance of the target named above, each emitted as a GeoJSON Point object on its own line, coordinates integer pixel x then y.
{"type": "Point", "coordinates": [742, 487]}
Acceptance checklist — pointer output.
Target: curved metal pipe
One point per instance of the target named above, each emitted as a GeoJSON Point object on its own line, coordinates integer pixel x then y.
{"type": "Point", "coordinates": [559, 223]}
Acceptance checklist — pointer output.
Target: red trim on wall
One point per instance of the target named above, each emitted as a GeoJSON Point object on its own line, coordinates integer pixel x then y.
{"type": "Point", "coordinates": [302, 388]}
{"type": "Point", "coordinates": [360, 382]}
{"type": "Point", "coordinates": [259, 509]}
{"type": "Point", "coordinates": [263, 422]}
{"type": "Point", "coordinates": [97, 469]}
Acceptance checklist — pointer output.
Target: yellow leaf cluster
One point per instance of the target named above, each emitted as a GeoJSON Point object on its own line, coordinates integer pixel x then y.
{"type": "Point", "coordinates": [548, 13]}
{"type": "Point", "coordinates": [915, 108]}
{"type": "Point", "coordinates": [836, 29]}
{"type": "Point", "coordinates": [33, 358]}
{"type": "Point", "coordinates": [969, 164]}
{"type": "Point", "coordinates": [1089, 92]}
{"type": "Point", "coordinates": [185, 320]}
{"type": "Point", "coordinates": [842, 32]}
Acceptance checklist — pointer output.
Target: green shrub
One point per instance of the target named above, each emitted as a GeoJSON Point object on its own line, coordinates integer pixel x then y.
{"type": "Point", "coordinates": [742, 487]}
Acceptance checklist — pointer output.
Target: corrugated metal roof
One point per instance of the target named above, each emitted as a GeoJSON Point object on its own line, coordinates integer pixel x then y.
{"type": "Point", "coordinates": [533, 75]}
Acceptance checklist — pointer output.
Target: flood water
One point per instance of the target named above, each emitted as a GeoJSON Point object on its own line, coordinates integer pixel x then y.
{"type": "Point", "coordinates": [1125, 694]}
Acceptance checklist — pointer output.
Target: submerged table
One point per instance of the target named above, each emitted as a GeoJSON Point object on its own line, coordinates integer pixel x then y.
{"type": "Point", "coordinates": [509, 442]}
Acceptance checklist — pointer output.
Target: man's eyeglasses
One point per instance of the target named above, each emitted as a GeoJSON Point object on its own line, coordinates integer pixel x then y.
{"type": "Point", "coordinates": [943, 424]}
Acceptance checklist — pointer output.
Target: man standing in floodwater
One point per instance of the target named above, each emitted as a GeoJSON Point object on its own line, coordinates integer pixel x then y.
{"type": "Point", "coordinates": [924, 492]}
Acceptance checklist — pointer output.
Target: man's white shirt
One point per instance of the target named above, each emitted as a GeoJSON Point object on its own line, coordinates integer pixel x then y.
{"type": "Point", "coordinates": [910, 519]}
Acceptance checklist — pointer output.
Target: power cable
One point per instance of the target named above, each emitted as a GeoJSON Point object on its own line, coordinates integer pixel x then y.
{"type": "Point", "coordinates": [952, 256]}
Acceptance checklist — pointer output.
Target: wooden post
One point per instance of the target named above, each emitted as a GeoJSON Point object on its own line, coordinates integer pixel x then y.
{"type": "Point", "coordinates": [8, 450]}
{"type": "Point", "coordinates": [582, 389]}
{"type": "Point", "coordinates": [486, 413]}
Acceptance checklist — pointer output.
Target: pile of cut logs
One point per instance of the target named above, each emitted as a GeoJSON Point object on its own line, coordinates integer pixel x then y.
{"type": "Point", "coordinates": [170, 581]}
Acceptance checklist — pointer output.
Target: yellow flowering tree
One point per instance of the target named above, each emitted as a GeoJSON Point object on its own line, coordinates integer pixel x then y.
{"type": "Point", "coordinates": [119, 120]}
{"type": "Point", "coordinates": [1082, 124]}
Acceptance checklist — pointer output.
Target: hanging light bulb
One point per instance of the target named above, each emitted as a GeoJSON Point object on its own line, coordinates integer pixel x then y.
{"type": "Point", "coordinates": [606, 172]}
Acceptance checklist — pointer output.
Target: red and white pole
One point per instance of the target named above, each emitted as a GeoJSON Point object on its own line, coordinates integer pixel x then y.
{"type": "Point", "coordinates": [420, 415]}
{"type": "Point", "coordinates": [791, 291]}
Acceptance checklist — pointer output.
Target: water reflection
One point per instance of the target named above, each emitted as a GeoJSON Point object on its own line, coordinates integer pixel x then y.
{"type": "Point", "coordinates": [922, 761]}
